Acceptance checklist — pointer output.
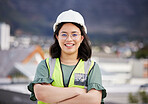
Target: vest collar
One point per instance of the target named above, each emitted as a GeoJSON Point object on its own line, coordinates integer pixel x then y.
{"type": "Point", "coordinates": [70, 73]}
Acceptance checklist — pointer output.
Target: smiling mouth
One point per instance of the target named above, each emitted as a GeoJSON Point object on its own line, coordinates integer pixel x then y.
{"type": "Point", "coordinates": [69, 45]}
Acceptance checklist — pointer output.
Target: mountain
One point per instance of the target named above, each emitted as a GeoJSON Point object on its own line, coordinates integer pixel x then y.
{"type": "Point", "coordinates": [105, 19]}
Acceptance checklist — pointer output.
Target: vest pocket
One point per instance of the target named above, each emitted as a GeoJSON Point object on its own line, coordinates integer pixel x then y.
{"type": "Point", "coordinates": [80, 79]}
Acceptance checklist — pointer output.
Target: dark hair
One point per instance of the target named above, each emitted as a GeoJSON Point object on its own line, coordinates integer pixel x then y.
{"type": "Point", "coordinates": [84, 51]}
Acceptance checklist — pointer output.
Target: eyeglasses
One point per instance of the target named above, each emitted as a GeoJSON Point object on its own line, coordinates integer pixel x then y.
{"type": "Point", "coordinates": [73, 36]}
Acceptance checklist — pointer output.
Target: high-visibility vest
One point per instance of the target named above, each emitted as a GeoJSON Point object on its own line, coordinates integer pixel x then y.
{"type": "Point", "coordinates": [78, 77]}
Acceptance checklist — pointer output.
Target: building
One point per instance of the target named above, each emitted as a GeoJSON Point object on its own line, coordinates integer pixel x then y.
{"type": "Point", "coordinates": [4, 36]}
{"type": "Point", "coordinates": [121, 71]}
{"type": "Point", "coordinates": [20, 63]}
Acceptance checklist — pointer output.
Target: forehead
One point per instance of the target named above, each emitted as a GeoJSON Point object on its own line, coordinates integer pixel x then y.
{"type": "Point", "coordinates": [69, 27]}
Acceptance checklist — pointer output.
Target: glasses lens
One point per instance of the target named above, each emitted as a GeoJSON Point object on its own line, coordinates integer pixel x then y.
{"type": "Point", "coordinates": [64, 36]}
{"type": "Point", "coordinates": [74, 36]}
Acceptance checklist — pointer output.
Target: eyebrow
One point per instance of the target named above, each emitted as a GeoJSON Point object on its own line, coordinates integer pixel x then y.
{"type": "Point", "coordinates": [63, 32]}
{"type": "Point", "coordinates": [71, 32]}
{"type": "Point", "coordinates": [75, 32]}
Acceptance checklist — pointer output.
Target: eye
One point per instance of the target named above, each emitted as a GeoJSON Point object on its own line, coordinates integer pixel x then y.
{"type": "Point", "coordinates": [74, 35]}
{"type": "Point", "coordinates": [64, 35]}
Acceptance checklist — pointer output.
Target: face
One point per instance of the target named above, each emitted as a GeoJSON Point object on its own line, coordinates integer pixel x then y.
{"type": "Point", "coordinates": [69, 39]}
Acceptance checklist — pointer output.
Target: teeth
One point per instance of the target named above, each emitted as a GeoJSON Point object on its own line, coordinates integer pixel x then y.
{"type": "Point", "coordinates": [69, 44]}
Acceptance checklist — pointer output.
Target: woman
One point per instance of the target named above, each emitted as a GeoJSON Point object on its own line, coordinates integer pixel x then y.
{"type": "Point", "coordinates": [69, 76]}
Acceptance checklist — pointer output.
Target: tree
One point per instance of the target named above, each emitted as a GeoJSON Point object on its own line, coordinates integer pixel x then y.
{"type": "Point", "coordinates": [142, 53]}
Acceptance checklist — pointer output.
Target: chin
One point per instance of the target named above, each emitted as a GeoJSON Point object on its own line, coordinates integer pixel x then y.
{"type": "Point", "coordinates": [70, 52]}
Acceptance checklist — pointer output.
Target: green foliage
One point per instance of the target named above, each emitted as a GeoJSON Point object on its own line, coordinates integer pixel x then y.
{"type": "Point", "coordinates": [139, 97]}
{"type": "Point", "coordinates": [142, 53]}
{"type": "Point", "coordinates": [143, 97]}
{"type": "Point", "coordinates": [132, 98]}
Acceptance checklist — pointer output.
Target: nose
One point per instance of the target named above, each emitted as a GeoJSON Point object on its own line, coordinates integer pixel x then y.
{"type": "Point", "coordinates": [69, 37]}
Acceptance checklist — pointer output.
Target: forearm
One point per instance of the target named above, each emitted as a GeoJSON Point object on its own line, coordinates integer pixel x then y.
{"type": "Point", "coordinates": [51, 94]}
{"type": "Point", "coordinates": [87, 98]}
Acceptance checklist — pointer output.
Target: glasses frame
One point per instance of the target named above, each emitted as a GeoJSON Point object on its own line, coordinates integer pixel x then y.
{"type": "Point", "coordinates": [67, 36]}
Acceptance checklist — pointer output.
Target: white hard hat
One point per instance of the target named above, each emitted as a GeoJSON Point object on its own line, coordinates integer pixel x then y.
{"type": "Point", "coordinates": [70, 16]}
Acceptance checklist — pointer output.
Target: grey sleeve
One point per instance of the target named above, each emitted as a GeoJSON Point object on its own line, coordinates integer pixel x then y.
{"type": "Point", "coordinates": [42, 70]}
{"type": "Point", "coordinates": [42, 73]}
{"type": "Point", "coordinates": [95, 80]}
{"type": "Point", "coordinates": [41, 76]}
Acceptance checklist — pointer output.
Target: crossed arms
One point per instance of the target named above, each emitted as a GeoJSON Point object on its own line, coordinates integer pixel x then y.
{"type": "Point", "coordinates": [68, 95]}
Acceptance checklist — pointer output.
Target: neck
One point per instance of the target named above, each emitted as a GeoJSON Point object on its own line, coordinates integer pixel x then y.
{"type": "Point", "coordinates": [69, 59]}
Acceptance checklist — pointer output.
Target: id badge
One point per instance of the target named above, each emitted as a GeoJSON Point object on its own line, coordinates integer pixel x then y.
{"type": "Point", "coordinates": [80, 79]}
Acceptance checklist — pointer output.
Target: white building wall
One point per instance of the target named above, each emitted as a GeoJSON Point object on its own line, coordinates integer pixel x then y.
{"type": "Point", "coordinates": [4, 36]}
{"type": "Point", "coordinates": [120, 71]}
{"type": "Point", "coordinates": [138, 68]}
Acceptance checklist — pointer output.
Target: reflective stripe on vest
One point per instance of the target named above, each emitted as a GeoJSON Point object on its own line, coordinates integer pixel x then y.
{"type": "Point", "coordinates": [40, 102]}
{"type": "Point", "coordinates": [78, 77]}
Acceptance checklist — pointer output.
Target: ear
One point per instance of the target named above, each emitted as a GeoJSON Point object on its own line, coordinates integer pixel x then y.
{"type": "Point", "coordinates": [82, 37]}
{"type": "Point", "coordinates": [57, 37]}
